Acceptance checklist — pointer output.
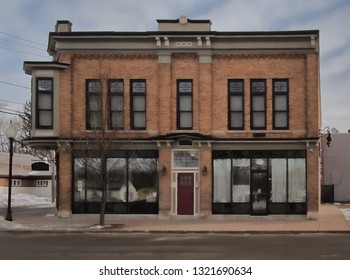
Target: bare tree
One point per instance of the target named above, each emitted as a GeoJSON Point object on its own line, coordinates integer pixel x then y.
{"type": "Point", "coordinates": [92, 150]}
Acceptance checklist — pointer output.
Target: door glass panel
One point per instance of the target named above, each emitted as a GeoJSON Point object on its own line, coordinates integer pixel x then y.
{"type": "Point", "coordinates": [259, 193]}
{"type": "Point", "coordinates": [259, 164]}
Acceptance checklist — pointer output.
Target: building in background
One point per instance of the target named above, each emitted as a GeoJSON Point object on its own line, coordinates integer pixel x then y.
{"type": "Point", "coordinates": [335, 168]}
{"type": "Point", "coordinates": [30, 175]}
{"type": "Point", "coordinates": [202, 122]}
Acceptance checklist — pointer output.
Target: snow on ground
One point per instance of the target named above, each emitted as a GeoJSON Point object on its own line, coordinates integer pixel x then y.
{"type": "Point", "coordinates": [346, 212]}
{"type": "Point", "coordinates": [26, 200]}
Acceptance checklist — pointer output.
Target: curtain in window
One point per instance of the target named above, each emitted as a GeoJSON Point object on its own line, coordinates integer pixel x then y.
{"type": "Point", "coordinates": [222, 180]}
{"type": "Point", "coordinates": [296, 180]}
{"type": "Point", "coordinates": [278, 167]}
{"type": "Point", "coordinates": [241, 180]}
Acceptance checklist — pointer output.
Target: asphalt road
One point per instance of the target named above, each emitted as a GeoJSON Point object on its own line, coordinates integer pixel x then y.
{"type": "Point", "coordinates": [115, 246]}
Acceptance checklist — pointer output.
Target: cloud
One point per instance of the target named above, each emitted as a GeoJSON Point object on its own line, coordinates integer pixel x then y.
{"type": "Point", "coordinates": [34, 19]}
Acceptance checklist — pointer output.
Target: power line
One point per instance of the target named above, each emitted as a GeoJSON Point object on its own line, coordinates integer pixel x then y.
{"type": "Point", "coordinates": [14, 85]}
{"type": "Point", "coordinates": [13, 42]}
{"type": "Point", "coordinates": [11, 102]}
{"type": "Point", "coordinates": [8, 113]}
{"type": "Point", "coordinates": [33, 42]}
{"type": "Point", "coordinates": [22, 52]}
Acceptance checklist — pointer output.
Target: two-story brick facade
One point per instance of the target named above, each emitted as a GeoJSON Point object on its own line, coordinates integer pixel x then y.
{"type": "Point", "coordinates": [197, 122]}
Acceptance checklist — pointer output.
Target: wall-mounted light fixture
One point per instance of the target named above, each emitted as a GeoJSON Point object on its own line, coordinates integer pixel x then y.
{"type": "Point", "coordinates": [204, 170]}
{"type": "Point", "coordinates": [163, 171]}
{"type": "Point", "coordinates": [326, 131]}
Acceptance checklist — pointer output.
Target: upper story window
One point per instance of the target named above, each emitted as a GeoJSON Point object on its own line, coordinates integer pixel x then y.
{"type": "Point", "coordinates": [258, 104]}
{"type": "Point", "coordinates": [138, 104]}
{"type": "Point", "coordinates": [184, 104]}
{"type": "Point", "coordinates": [93, 104]}
{"type": "Point", "coordinates": [236, 104]}
{"type": "Point", "coordinates": [280, 103]}
{"type": "Point", "coordinates": [44, 103]}
{"type": "Point", "coordinates": [116, 104]}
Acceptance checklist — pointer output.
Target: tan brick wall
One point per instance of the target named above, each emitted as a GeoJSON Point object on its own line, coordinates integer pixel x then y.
{"type": "Point", "coordinates": [165, 187]}
{"type": "Point", "coordinates": [65, 181]}
{"type": "Point", "coordinates": [313, 180]}
{"type": "Point", "coordinates": [210, 105]}
{"type": "Point", "coordinates": [265, 67]}
{"type": "Point", "coordinates": [206, 181]}
{"type": "Point", "coordinates": [210, 97]}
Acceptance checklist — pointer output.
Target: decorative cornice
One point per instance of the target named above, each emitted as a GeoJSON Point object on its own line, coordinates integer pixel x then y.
{"type": "Point", "coordinates": [115, 56]}
{"type": "Point", "coordinates": [260, 56]}
{"type": "Point", "coordinates": [184, 56]}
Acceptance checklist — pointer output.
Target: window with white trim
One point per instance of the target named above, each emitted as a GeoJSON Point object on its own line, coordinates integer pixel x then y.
{"type": "Point", "coordinates": [44, 103]}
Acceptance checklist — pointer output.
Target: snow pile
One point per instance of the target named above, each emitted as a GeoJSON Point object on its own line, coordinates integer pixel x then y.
{"type": "Point", "coordinates": [26, 200]}
{"type": "Point", "coordinates": [346, 212]}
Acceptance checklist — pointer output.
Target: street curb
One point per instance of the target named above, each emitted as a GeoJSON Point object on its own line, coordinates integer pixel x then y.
{"type": "Point", "coordinates": [88, 231]}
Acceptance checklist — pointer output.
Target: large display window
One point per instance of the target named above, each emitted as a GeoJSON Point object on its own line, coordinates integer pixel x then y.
{"type": "Point", "coordinates": [273, 181]}
{"type": "Point", "coordinates": [131, 183]}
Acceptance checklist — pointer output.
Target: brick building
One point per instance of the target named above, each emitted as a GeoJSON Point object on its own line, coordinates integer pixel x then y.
{"type": "Point", "coordinates": [197, 122]}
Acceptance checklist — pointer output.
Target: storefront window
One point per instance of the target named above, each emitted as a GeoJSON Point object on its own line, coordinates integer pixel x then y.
{"type": "Point", "coordinates": [296, 180]}
{"type": "Point", "coordinates": [143, 179]}
{"type": "Point", "coordinates": [132, 183]}
{"type": "Point", "coordinates": [241, 180]}
{"type": "Point", "coordinates": [283, 186]}
{"type": "Point", "coordinates": [278, 173]}
{"type": "Point", "coordinates": [222, 180]}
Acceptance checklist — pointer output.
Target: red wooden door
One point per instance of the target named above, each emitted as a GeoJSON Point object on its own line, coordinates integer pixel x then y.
{"type": "Point", "coordinates": [185, 191]}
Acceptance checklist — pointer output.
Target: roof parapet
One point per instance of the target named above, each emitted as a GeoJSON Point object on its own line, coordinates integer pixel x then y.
{"type": "Point", "coordinates": [183, 24]}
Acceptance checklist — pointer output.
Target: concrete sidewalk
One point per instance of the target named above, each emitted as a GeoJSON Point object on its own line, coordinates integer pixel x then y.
{"type": "Point", "coordinates": [331, 220]}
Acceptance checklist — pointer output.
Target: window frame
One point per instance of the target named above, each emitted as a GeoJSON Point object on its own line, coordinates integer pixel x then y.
{"type": "Point", "coordinates": [252, 111]}
{"type": "Point", "coordinates": [132, 111]}
{"type": "Point", "coordinates": [111, 111]}
{"type": "Point", "coordinates": [230, 110]}
{"type": "Point", "coordinates": [178, 109]}
{"type": "Point", "coordinates": [92, 94]}
{"type": "Point", "coordinates": [38, 110]}
{"type": "Point", "coordinates": [280, 93]}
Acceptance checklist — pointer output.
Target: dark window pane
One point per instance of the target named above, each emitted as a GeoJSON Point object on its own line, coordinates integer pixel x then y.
{"type": "Point", "coordinates": [281, 102]}
{"type": "Point", "coordinates": [117, 103]}
{"type": "Point", "coordinates": [259, 119]}
{"type": "Point", "coordinates": [139, 103]}
{"type": "Point", "coordinates": [185, 103]}
{"type": "Point", "coordinates": [280, 86]}
{"type": "Point", "coordinates": [44, 101]}
{"type": "Point", "coordinates": [139, 120]}
{"type": "Point", "coordinates": [185, 119]}
{"type": "Point", "coordinates": [236, 103]}
{"type": "Point", "coordinates": [236, 86]}
{"type": "Point", "coordinates": [236, 119]}
{"type": "Point", "coordinates": [94, 86]}
{"type": "Point", "coordinates": [185, 87]}
{"type": "Point", "coordinates": [45, 118]}
{"type": "Point", "coordinates": [44, 85]}
{"type": "Point", "coordinates": [139, 87]}
{"type": "Point", "coordinates": [116, 87]}
{"type": "Point", "coordinates": [281, 119]}
{"type": "Point", "coordinates": [258, 87]}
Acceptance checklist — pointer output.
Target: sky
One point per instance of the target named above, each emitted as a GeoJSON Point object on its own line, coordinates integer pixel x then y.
{"type": "Point", "coordinates": [25, 25]}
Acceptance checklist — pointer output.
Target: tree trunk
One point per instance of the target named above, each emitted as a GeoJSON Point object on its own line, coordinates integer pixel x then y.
{"type": "Point", "coordinates": [103, 189]}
